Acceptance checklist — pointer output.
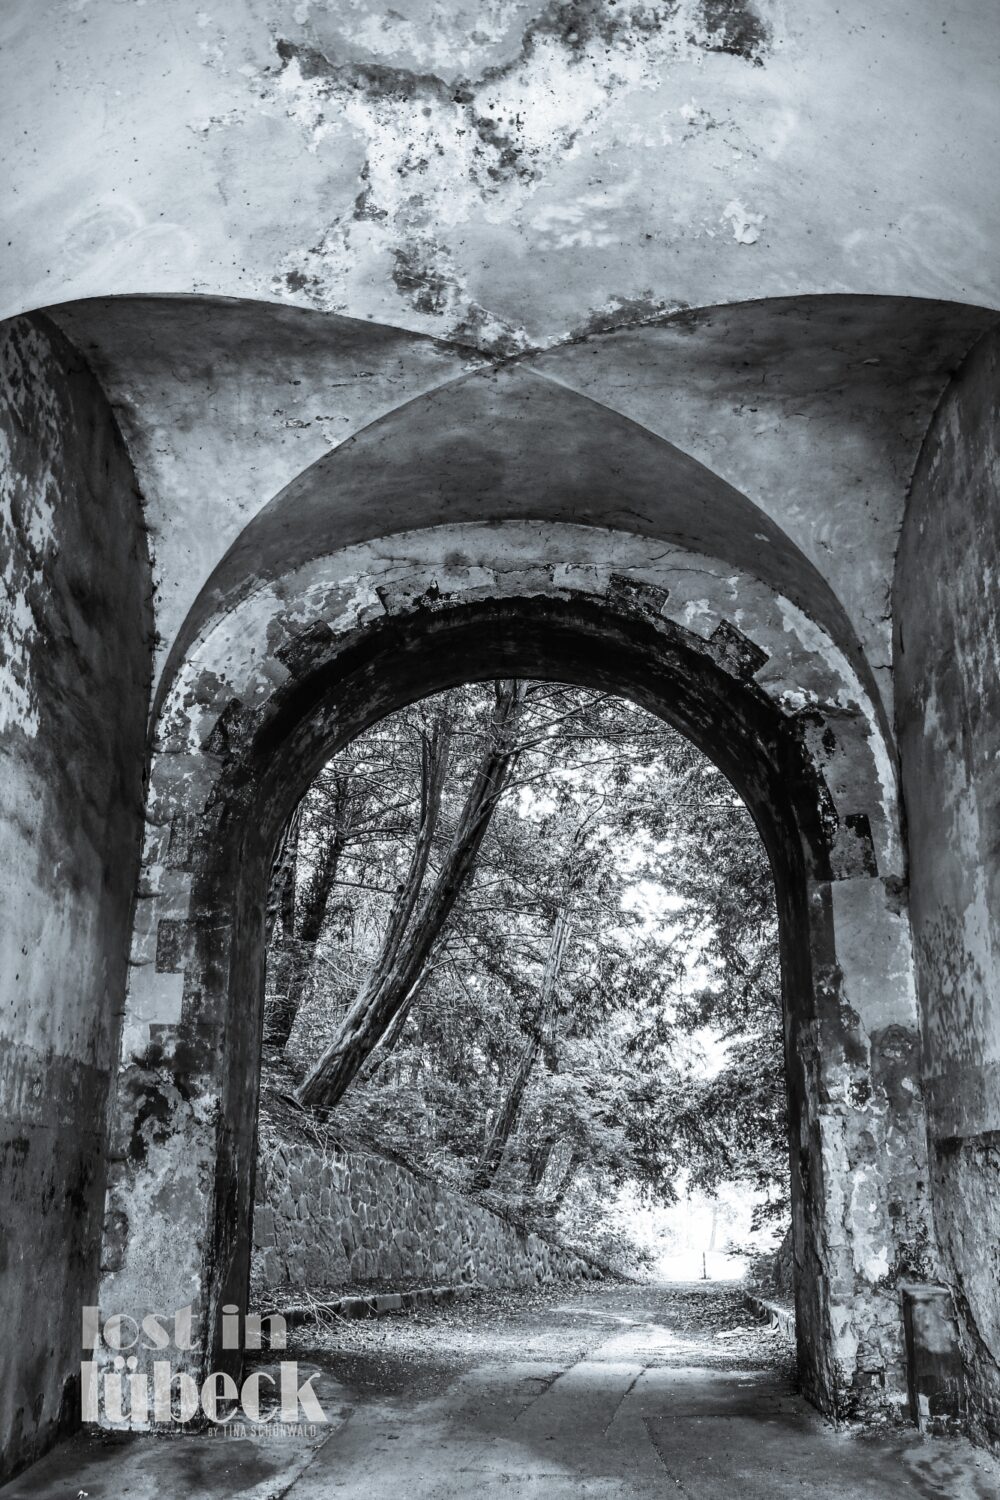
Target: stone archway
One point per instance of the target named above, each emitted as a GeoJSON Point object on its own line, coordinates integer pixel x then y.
{"type": "Point", "coordinates": [234, 239]}
{"type": "Point", "coordinates": [299, 664]}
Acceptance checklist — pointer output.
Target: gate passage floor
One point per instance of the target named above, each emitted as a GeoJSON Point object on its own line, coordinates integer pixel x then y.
{"type": "Point", "coordinates": [621, 1392]}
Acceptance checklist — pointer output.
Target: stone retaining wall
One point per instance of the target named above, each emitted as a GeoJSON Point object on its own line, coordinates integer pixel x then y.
{"type": "Point", "coordinates": [327, 1218]}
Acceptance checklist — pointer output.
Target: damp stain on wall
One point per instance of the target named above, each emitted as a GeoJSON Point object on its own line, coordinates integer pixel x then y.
{"type": "Point", "coordinates": [443, 153]}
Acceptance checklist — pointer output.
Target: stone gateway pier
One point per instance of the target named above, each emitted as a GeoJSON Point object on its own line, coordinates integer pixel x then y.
{"type": "Point", "coordinates": [353, 353]}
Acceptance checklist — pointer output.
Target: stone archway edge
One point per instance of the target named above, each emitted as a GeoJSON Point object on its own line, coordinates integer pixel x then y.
{"type": "Point", "coordinates": [306, 660]}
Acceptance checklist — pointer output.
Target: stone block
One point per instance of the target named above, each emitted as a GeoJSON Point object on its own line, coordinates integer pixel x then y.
{"type": "Point", "coordinates": [935, 1373]}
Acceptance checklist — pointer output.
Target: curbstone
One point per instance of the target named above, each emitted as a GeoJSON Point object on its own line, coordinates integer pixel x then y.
{"type": "Point", "coordinates": [781, 1318]}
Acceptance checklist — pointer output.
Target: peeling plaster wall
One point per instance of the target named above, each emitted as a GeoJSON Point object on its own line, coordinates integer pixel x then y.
{"type": "Point", "coordinates": [947, 653]}
{"type": "Point", "coordinates": [505, 172]}
{"type": "Point", "coordinates": [75, 638]}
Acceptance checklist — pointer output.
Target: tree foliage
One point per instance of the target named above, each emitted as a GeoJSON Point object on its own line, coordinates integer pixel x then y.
{"type": "Point", "coordinates": [525, 935]}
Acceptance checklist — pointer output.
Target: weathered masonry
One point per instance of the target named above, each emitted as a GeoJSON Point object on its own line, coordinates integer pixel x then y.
{"type": "Point", "coordinates": [349, 357]}
{"type": "Point", "coordinates": [325, 1216]}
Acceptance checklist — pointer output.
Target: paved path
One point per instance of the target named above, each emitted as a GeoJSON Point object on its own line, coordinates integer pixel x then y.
{"type": "Point", "coordinates": [617, 1394]}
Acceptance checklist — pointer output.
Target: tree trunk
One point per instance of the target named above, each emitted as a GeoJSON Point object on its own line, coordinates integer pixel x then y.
{"type": "Point", "coordinates": [538, 1162]}
{"type": "Point", "coordinates": [279, 921]}
{"type": "Point", "coordinates": [390, 1040]}
{"type": "Point", "coordinates": [313, 904]}
{"type": "Point", "coordinates": [503, 1125]}
{"type": "Point", "coordinates": [549, 1204]}
{"type": "Point", "coordinates": [500, 1133]}
{"type": "Point", "coordinates": [556, 1166]}
{"type": "Point", "coordinates": [559, 1196]}
{"type": "Point", "coordinates": [280, 913]}
{"type": "Point", "coordinates": [412, 932]}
